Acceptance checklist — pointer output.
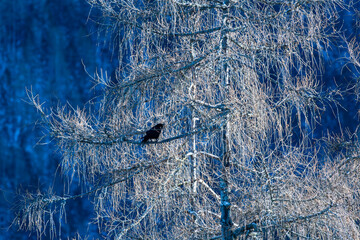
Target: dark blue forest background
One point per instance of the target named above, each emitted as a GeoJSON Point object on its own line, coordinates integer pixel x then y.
{"type": "Point", "coordinates": [42, 46]}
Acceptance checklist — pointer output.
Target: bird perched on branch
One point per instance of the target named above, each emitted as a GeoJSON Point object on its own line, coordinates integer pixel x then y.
{"type": "Point", "coordinates": [153, 133]}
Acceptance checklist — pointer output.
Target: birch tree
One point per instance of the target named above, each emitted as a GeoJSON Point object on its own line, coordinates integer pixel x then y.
{"type": "Point", "coordinates": [236, 85]}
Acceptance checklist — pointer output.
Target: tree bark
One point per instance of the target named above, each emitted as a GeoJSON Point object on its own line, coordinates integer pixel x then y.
{"type": "Point", "coordinates": [225, 205]}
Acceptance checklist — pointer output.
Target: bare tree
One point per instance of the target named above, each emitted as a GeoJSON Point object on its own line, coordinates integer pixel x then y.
{"type": "Point", "coordinates": [235, 83]}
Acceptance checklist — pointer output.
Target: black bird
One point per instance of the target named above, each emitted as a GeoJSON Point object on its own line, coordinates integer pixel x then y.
{"type": "Point", "coordinates": [153, 133]}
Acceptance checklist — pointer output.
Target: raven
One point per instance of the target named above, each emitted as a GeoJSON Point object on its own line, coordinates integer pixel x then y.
{"type": "Point", "coordinates": [153, 133]}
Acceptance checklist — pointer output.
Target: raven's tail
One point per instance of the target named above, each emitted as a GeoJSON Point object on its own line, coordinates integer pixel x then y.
{"type": "Point", "coordinates": [145, 139]}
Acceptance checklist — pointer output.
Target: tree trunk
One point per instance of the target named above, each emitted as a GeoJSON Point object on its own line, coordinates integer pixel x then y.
{"type": "Point", "coordinates": [225, 205]}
